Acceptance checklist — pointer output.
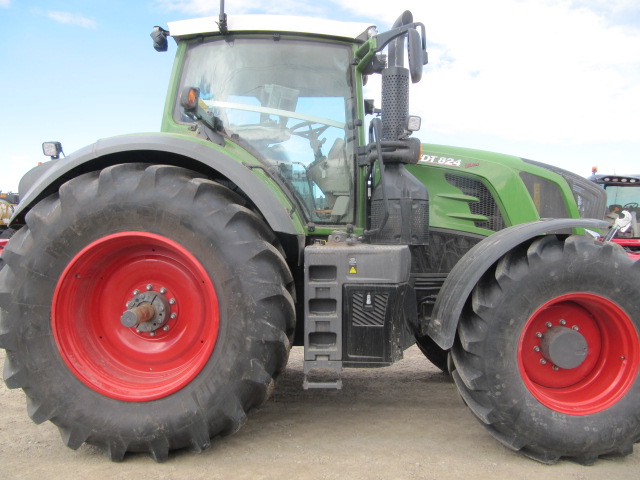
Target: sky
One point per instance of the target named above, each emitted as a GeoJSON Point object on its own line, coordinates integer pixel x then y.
{"type": "Point", "coordinates": [557, 81]}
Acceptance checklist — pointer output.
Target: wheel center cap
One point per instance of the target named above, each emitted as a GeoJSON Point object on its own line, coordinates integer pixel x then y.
{"type": "Point", "coordinates": [564, 347]}
{"type": "Point", "coordinates": [147, 311]}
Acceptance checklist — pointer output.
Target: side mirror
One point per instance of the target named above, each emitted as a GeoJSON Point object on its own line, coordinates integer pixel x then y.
{"type": "Point", "coordinates": [416, 54]}
{"type": "Point", "coordinates": [159, 36]}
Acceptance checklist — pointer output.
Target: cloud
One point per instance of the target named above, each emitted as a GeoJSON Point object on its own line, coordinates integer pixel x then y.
{"type": "Point", "coordinates": [5, 3]}
{"type": "Point", "coordinates": [76, 19]}
{"type": "Point", "coordinates": [526, 70]}
{"type": "Point", "coordinates": [532, 70]}
{"type": "Point", "coordinates": [608, 7]}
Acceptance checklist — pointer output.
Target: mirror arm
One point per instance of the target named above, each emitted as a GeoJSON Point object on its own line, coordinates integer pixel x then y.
{"type": "Point", "coordinates": [366, 53]}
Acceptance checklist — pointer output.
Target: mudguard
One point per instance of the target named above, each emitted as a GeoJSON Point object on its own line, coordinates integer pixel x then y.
{"type": "Point", "coordinates": [46, 178]}
{"type": "Point", "coordinates": [467, 272]}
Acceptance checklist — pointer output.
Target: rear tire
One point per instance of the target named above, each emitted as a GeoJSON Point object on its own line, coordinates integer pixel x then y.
{"type": "Point", "coordinates": [542, 305]}
{"type": "Point", "coordinates": [81, 257]}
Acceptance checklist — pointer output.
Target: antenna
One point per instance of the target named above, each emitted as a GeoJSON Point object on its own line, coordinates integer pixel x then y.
{"type": "Point", "coordinates": [222, 24]}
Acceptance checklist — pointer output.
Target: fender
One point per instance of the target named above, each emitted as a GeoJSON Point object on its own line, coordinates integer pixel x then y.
{"type": "Point", "coordinates": [467, 272]}
{"type": "Point", "coordinates": [46, 178]}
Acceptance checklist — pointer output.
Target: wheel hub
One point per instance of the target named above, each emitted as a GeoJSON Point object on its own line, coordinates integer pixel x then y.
{"type": "Point", "coordinates": [167, 331]}
{"type": "Point", "coordinates": [564, 347]}
{"type": "Point", "coordinates": [148, 311]}
{"type": "Point", "coordinates": [578, 353]}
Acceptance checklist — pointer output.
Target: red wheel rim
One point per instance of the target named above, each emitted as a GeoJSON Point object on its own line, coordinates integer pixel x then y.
{"type": "Point", "coordinates": [609, 368]}
{"type": "Point", "coordinates": [121, 362]}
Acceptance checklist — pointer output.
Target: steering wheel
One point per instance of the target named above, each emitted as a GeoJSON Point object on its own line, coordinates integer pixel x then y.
{"type": "Point", "coordinates": [630, 205]}
{"type": "Point", "coordinates": [311, 133]}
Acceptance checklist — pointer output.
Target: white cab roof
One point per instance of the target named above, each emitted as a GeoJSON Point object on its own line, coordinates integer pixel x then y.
{"type": "Point", "coordinates": [269, 23]}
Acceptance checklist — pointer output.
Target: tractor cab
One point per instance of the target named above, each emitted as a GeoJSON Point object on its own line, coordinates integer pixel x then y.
{"type": "Point", "coordinates": [289, 99]}
{"type": "Point", "coordinates": [623, 205]}
{"type": "Point", "coordinates": [623, 194]}
{"type": "Point", "coordinates": [293, 100]}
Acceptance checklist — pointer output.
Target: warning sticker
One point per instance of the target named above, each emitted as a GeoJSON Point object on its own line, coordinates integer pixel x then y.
{"type": "Point", "coordinates": [353, 266]}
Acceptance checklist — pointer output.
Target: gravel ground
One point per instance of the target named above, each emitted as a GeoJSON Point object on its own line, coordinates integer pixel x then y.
{"type": "Point", "coordinates": [401, 422]}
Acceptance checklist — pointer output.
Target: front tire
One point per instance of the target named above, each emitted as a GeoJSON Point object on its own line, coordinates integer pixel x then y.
{"type": "Point", "coordinates": [547, 351]}
{"type": "Point", "coordinates": [134, 234]}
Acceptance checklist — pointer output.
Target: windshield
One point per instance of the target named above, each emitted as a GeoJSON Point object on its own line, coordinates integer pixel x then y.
{"type": "Point", "coordinates": [289, 102]}
{"type": "Point", "coordinates": [625, 198]}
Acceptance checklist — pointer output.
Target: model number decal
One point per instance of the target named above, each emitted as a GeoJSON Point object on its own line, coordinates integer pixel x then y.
{"type": "Point", "coordinates": [453, 162]}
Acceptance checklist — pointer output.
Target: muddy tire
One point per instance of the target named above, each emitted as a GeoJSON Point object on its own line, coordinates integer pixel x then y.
{"type": "Point", "coordinates": [547, 350]}
{"type": "Point", "coordinates": [115, 239]}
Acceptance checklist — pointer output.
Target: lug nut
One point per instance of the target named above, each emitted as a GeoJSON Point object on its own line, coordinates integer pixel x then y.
{"type": "Point", "coordinates": [136, 292]}
{"type": "Point", "coordinates": [163, 290]}
{"type": "Point", "coordinates": [165, 328]}
{"type": "Point", "coordinates": [549, 325]}
{"type": "Point", "coordinates": [538, 334]}
{"type": "Point", "coordinates": [149, 286]}
{"type": "Point", "coordinates": [172, 301]}
{"type": "Point", "coordinates": [563, 321]}
{"type": "Point", "coordinates": [543, 361]}
{"type": "Point", "coordinates": [575, 327]}
{"type": "Point", "coordinates": [536, 348]}
{"type": "Point", "coordinates": [152, 334]}
{"type": "Point", "coordinates": [174, 316]}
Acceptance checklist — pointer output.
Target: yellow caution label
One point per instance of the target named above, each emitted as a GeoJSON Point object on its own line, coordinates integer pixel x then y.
{"type": "Point", "coordinates": [353, 270]}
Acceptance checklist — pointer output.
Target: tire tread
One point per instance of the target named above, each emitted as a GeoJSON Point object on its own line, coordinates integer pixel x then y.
{"type": "Point", "coordinates": [473, 335]}
{"type": "Point", "coordinates": [252, 245]}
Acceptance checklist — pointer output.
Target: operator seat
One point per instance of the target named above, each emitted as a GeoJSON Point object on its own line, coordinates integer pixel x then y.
{"type": "Point", "coordinates": [333, 175]}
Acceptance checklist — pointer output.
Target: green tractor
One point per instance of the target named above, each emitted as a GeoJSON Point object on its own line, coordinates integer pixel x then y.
{"type": "Point", "coordinates": [156, 282]}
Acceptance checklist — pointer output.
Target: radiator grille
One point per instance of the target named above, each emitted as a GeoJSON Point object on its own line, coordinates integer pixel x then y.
{"type": "Point", "coordinates": [486, 204]}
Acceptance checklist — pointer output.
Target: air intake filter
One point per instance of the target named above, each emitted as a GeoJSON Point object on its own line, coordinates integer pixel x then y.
{"type": "Point", "coordinates": [395, 102]}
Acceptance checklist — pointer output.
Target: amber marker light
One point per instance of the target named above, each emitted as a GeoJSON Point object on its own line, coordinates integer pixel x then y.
{"type": "Point", "coordinates": [189, 99]}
